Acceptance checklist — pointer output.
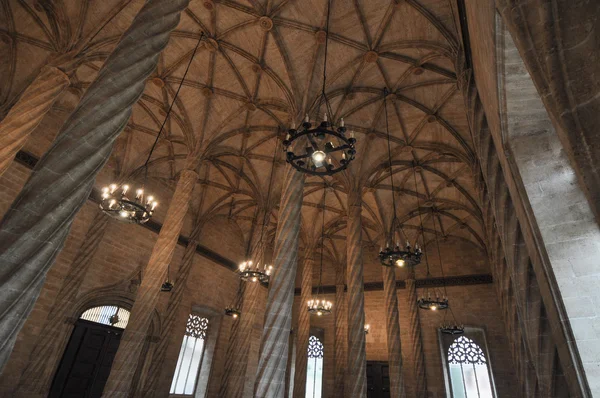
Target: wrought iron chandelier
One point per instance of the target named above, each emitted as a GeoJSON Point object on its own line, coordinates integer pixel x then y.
{"type": "Point", "coordinates": [432, 298]}
{"type": "Point", "coordinates": [234, 310]}
{"type": "Point", "coordinates": [167, 285]}
{"type": "Point", "coordinates": [139, 209]}
{"type": "Point", "coordinates": [255, 273]}
{"type": "Point", "coordinates": [258, 270]}
{"type": "Point", "coordinates": [396, 255]}
{"type": "Point", "coordinates": [318, 305]}
{"type": "Point", "coordinates": [323, 149]}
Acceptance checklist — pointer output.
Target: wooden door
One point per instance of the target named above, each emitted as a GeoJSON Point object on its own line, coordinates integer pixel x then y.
{"type": "Point", "coordinates": [378, 380]}
{"type": "Point", "coordinates": [85, 366]}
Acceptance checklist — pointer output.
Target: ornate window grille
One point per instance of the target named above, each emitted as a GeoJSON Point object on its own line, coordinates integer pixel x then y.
{"type": "Point", "coordinates": [107, 315]}
{"type": "Point", "coordinates": [190, 356]}
{"type": "Point", "coordinates": [314, 368]}
{"type": "Point", "coordinates": [470, 376]}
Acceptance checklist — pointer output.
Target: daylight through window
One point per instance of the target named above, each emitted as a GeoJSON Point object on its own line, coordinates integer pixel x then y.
{"type": "Point", "coordinates": [190, 356]}
{"type": "Point", "coordinates": [469, 374]}
{"type": "Point", "coordinates": [314, 368]}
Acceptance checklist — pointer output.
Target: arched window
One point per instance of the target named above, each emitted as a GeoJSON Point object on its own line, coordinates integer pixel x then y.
{"type": "Point", "coordinates": [469, 371]}
{"type": "Point", "coordinates": [107, 315]}
{"type": "Point", "coordinates": [314, 368]}
{"type": "Point", "coordinates": [190, 356]}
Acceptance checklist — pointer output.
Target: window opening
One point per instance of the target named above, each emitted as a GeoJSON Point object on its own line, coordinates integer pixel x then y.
{"type": "Point", "coordinates": [314, 368]}
{"type": "Point", "coordinates": [190, 356]}
{"type": "Point", "coordinates": [469, 372]}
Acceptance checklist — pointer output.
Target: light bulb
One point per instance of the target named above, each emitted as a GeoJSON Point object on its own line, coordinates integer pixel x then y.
{"type": "Point", "coordinates": [342, 122]}
{"type": "Point", "coordinates": [325, 118]}
{"type": "Point", "coordinates": [433, 307]}
{"type": "Point", "coordinates": [124, 214]}
{"type": "Point", "coordinates": [125, 189]}
{"type": "Point", "coordinates": [105, 189]}
{"type": "Point", "coordinates": [139, 193]}
{"type": "Point", "coordinates": [307, 119]}
{"type": "Point", "coordinates": [112, 188]}
{"type": "Point", "coordinates": [105, 195]}
{"type": "Point", "coordinates": [319, 313]}
{"type": "Point", "coordinates": [254, 279]}
{"type": "Point", "coordinates": [234, 316]}
{"type": "Point", "coordinates": [400, 262]}
{"type": "Point", "coordinates": [352, 134]}
{"type": "Point", "coordinates": [318, 157]}
{"type": "Point", "coordinates": [112, 203]}
{"type": "Point", "coordinates": [150, 199]}
{"type": "Point", "coordinates": [154, 204]}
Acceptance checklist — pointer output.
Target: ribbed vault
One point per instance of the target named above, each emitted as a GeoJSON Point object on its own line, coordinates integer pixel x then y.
{"type": "Point", "coordinates": [259, 69]}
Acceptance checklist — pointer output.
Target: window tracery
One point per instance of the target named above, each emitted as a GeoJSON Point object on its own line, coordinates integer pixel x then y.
{"type": "Point", "coordinates": [465, 351]}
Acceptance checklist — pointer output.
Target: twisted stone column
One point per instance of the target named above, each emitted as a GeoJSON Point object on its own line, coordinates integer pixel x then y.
{"type": "Point", "coordinates": [53, 338]}
{"type": "Point", "coordinates": [356, 373]}
{"type": "Point", "coordinates": [35, 228]}
{"type": "Point", "coordinates": [303, 329]}
{"type": "Point", "coordinates": [28, 112]}
{"type": "Point", "coordinates": [235, 387]}
{"type": "Point", "coordinates": [168, 325]}
{"type": "Point", "coordinates": [414, 329]}
{"type": "Point", "coordinates": [340, 340]}
{"type": "Point", "coordinates": [270, 381]}
{"type": "Point", "coordinates": [232, 347]}
{"type": "Point", "coordinates": [125, 362]}
{"type": "Point", "coordinates": [393, 333]}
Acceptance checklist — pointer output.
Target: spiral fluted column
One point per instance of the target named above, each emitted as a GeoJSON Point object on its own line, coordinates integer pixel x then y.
{"type": "Point", "coordinates": [225, 389]}
{"type": "Point", "coordinates": [270, 381]}
{"type": "Point", "coordinates": [393, 333]}
{"type": "Point", "coordinates": [168, 324]}
{"type": "Point", "coordinates": [27, 113]}
{"type": "Point", "coordinates": [132, 342]}
{"type": "Point", "coordinates": [340, 340]}
{"type": "Point", "coordinates": [53, 338]}
{"type": "Point", "coordinates": [34, 229]}
{"type": "Point", "coordinates": [414, 329]}
{"type": "Point", "coordinates": [303, 329]}
{"type": "Point", "coordinates": [237, 381]}
{"type": "Point", "coordinates": [356, 372]}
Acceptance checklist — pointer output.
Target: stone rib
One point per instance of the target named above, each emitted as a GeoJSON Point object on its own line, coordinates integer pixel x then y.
{"type": "Point", "coordinates": [168, 323]}
{"type": "Point", "coordinates": [393, 333]}
{"type": "Point", "coordinates": [53, 338]}
{"type": "Point", "coordinates": [270, 381]}
{"type": "Point", "coordinates": [27, 113]}
{"type": "Point", "coordinates": [303, 329]}
{"type": "Point", "coordinates": [356, 376]}
{"type": "Point", "coordinates": [418, 356]}
{"type": "Point", "coordinates": [132, 342]}
{"type": "Point", "coordinates": [37, 224]}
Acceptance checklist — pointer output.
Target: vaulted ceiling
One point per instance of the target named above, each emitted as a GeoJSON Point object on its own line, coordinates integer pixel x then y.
{"type": "Point", "coordinates": [261, 68]}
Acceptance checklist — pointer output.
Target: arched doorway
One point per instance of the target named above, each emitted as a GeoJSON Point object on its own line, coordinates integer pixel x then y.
{"type": "Point", "coordinates": [86, 362]}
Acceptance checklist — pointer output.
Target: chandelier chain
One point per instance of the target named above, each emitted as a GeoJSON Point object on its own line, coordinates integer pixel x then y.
{"type": "Point", "coordinates": [268, 203]}
{"type": "Point", "coordinates": [420, 218]}
{"type": "Point", "coordinates": [437, 243]}
{"type": "Point", "coordinates": [322, 239]}
{"type": "Point", "coordinates": [171, 106]}
{"type": "Point", "coordinates": [389, 147]}
{"type": "Point", "coordinates": [323, 95]}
